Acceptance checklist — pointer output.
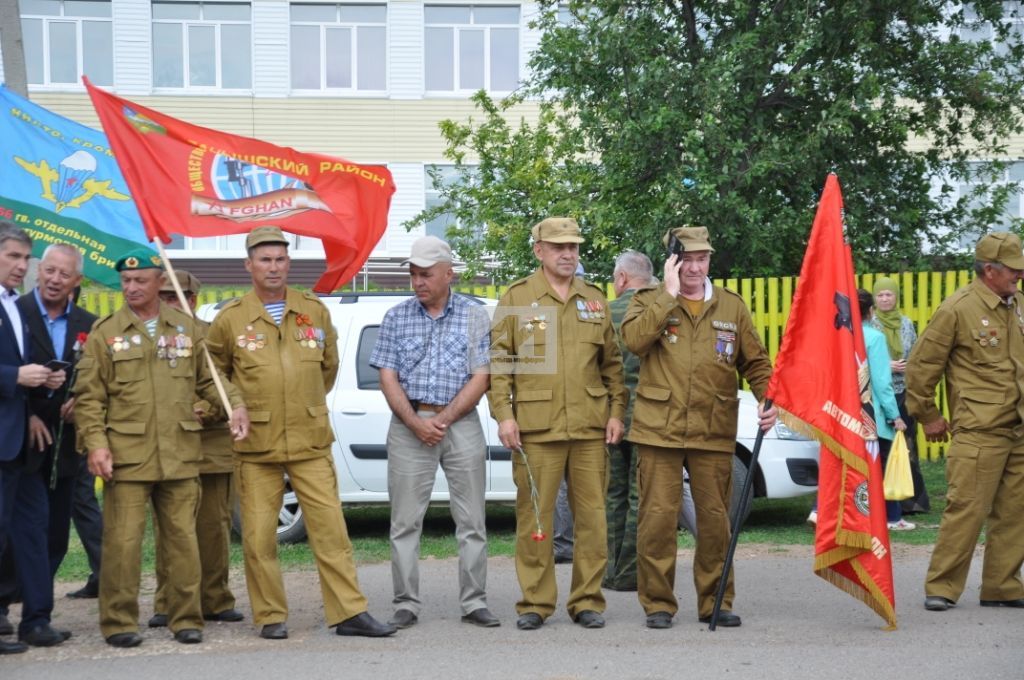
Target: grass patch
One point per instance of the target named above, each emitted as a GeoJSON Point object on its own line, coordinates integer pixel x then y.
{"type": "Point", "coordinates": [776, 522]}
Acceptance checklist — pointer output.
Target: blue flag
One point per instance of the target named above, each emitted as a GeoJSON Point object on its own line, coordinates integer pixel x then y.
{"type": "Point", "coordinates": [59, 182]}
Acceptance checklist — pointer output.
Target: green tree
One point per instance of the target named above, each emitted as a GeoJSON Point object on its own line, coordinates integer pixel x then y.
{"type": "Point", "coordinates": [659, 113]}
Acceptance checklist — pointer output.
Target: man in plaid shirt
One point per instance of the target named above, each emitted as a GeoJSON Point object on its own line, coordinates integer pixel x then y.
{"type": "Point", "coordinates": [432, 353]}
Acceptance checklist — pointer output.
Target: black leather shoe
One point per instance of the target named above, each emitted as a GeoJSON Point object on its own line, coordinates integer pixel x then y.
{"type": "Point", "coordinates": [1016, 604]}
{"type": "Point", "coordinates": [226, 616]}
{"type": "Point", "coordinates": [529, 621]}
{"type": "Point", "coordinates": [43, 636]}
{"type": "Point", "coordinates": [366, 626]}
{"type": "Point", "coordinates": [89, 591]}
{"type": "Point", "coordinates": [725, 620]}
{"type": "Point", "coordinates": [124, 640]}
{"type": "Point", "coordinates": [158, 621]}
{"type": "Point", "coordinates": [482, 617]}
{"type": "Point", "coordinates": [937, 603]}
{"type": "Point", "coordinates": [66, 634]}
{"type": "Point", "coordinates": [659, 620]}
{"type": "Point", "coordinates": [12, 647]}
{"type": "Point", "coordinates": [189, 636]}
{"type": "Point", "coordinates": [403, 618]}
{"type": "Point", "coordinates": [274, 631]}
{"type": "Point", "coordinates": [588, 618]}
{"type": "Point", "coordinates": [6, 627]}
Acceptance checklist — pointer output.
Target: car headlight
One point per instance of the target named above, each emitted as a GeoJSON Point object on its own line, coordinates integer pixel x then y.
{"type": "Point", "coordinates": [783, 432]}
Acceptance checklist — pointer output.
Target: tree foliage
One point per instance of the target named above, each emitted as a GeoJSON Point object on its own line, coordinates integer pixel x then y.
{"type": "Point", "coordinates": [660, 113]}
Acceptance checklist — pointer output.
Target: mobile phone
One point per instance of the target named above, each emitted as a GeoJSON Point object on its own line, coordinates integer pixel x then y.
{"type": "Point", "coordinates": [57, 364]}
{"type": "Point", "coordinates": [675, 246]}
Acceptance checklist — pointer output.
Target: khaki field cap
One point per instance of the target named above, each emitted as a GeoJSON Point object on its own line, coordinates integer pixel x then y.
{"type": "Point", "coordinates": [188, 282]}
{"type": "Point", "coordinates": [1002, 247]}
{"type": "Point", "coordinates": [557, 230]}
{"type": "Point", "coordinates": [264, 235]}
{"type": "Point", "coordinates": [693, 238]}
{"type": "Point", "coordinates": [428, 251]}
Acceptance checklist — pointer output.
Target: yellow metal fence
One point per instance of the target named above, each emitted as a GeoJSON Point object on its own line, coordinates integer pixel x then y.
{"type": "Point", "coordinates": [768, 298]}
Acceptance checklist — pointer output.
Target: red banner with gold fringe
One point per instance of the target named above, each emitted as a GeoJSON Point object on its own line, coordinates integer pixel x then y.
{"type": "Point", "coordinates": [820, 385]}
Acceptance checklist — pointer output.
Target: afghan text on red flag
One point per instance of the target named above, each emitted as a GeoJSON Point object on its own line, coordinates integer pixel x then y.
{"type": "Point", "coordinates": [199, 182]}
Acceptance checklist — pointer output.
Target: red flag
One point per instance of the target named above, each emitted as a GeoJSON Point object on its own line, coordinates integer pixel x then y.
{"type": "Point", "coordinates": [820, 374]}
{"type": "Point", "coordinates": [196, 181]}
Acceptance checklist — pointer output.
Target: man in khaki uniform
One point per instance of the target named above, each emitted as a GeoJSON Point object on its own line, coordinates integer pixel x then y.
{"type": "Point", "coordinates": [976, 339]}
{"type": "Point", "coordinates": [692, 337]}
{"type": "Point", "coordinates": [557, 392]}
{"type": "Point", "coordinates": [137, 384]}
{"type": "Point", "coordinates": [278, 346]}
{"type": "Point", "coordinates": [213, 519]}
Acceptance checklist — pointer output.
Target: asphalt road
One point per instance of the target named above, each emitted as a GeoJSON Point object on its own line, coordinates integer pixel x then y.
{"type": "Point", "coordinates": [795, 626]}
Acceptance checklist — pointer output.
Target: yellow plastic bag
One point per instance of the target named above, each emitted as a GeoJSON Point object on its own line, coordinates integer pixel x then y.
{"type": "Point", "coordinates": [897, 480]}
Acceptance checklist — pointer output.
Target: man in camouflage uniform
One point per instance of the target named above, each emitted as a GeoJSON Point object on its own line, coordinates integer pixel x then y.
{"type": "Point", "coordinates": [137, 383]}
{"type": "Point", "coordinates": [976, 340]}
{"type": "Point", "coordinates": [632, 271]}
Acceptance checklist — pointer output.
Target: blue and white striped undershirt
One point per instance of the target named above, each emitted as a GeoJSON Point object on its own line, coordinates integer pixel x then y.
{"type": "Point", "coordinates": [275, 310]}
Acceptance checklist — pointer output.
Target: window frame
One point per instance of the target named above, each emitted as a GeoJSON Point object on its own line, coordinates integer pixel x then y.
{"type": "Point", "coordinates": [324, 89]}
{"type": "Point", "coordinates": [78, 20]}
{"type": "Point", "coordinates": [457, 91]}
{"type": "Point", "coordinates": [216, 24]}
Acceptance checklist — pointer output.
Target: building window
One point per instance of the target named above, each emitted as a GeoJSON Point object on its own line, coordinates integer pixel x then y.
{"type": "Point", "coordinates": [448, 176]}
{"type": "Point", "coordinates": [471, 47]}
{"type": "Point", "coordinates": [66, 39]}
{"type": "Point", "coordinates": [981, 187]}
{"type": "Point", "coordinates": [339, 47]}
{"type": "Point", "coordinates": [202, 45]}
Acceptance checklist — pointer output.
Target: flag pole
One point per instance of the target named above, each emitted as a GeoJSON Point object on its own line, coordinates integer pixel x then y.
{"type": "Point", "coordinates": [187, 308]}
{"type": "Point", "coordinates": [741, 510]}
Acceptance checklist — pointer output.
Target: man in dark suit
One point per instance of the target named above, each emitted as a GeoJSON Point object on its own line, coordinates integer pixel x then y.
{"type": "Point", "coordinates": [57, 328]}
{"type": "Point", "coordinates": [24, 509]}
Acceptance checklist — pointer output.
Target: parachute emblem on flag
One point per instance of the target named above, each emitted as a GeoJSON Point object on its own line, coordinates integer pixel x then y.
{"type": "Point", "coordinates": [72, 183]}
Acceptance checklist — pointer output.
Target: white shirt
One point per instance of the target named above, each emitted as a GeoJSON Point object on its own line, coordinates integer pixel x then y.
{"type": "Point", "coordinates": [7, 299]}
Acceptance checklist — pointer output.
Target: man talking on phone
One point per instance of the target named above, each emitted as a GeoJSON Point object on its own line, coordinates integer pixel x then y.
{"type": "Point", "coordinates": [692, 338]}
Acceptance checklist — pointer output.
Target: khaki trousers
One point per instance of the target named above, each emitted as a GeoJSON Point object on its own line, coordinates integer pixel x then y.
{"type": "Point", "coordinates": [659, 483]}
{"type": "Point", "coordinates": [124, 522]}
{"type": "Point", "coordinates": [261, 489]}
{"type": "Point", "coordinates": [985, 474]}
{"type": "Point", "coordinates": [584, 465]}
{"type": "Point", "coordinates": [213, 534]}
{"type": "Point", "coordinates": [412, 469]}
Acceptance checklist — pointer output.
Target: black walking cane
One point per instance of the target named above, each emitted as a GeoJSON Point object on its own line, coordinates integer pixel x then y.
{"type": "Point", "coordinates": [740, 512]}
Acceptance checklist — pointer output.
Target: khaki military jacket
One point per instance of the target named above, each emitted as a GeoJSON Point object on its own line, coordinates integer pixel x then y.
{"type": "Point", "coordinates": [686, 396]}
{"type": "Point", "coordinates": [284, 372]}
{"type": "Point", "coordinates": [217, 448]}
{"type": "Point", "coordinates": [555, 366]}
{"type": "Point", "coordinates": [978, 343]}
{"type": "Point", "coordinates": [135, 399]}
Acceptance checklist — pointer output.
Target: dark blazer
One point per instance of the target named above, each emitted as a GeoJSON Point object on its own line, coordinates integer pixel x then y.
{"type": "Point", "coordinates": [42, 402]}
{"type": "Point", "coordinates": [13, 397]}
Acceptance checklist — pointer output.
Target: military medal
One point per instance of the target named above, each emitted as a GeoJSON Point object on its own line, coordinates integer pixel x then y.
{"type": "Point", "coordinates": [671, 331]}
{"type": "Point", "coordinates": [136, 339]}
{"type": "Point", "coordinates": [161, 347]}
{"type": "Point", "coordinates": [581, 310]}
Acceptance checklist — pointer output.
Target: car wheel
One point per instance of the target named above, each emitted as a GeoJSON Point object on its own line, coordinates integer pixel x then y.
{"type": "Point", "coordinates": [739, 477]}
{"type": "Point", "coordinates": [291, 528]}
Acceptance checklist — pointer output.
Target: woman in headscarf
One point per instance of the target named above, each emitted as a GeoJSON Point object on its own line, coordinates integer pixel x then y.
{"type": "Point", "coordinates": [900, 336]}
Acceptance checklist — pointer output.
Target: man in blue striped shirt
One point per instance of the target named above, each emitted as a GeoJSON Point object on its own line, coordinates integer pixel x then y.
{"type": "Point", "coordinates": [432, 353]}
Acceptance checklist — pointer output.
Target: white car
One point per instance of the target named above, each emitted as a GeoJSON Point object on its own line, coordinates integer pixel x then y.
{"type": "Point", "coordinates": [787, 466]}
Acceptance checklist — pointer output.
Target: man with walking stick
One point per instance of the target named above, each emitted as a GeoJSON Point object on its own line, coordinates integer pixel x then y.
{"type": "Point", "coordinates": [693, 337]}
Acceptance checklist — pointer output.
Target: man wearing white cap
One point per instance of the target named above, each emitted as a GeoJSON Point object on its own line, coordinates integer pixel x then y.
{"type": "Point", "coordinates": [432, 353]}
